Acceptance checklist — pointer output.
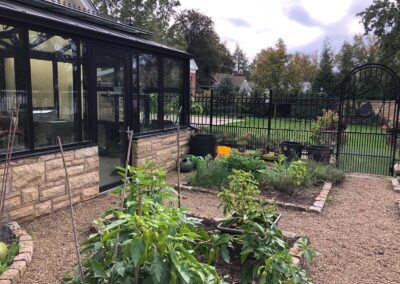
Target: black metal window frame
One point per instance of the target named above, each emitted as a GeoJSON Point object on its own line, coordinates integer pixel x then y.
{"type": "Point", "coordinates": [92, 41]}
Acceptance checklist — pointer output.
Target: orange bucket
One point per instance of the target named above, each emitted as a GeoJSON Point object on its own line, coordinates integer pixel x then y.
{"type": "Point", "coordinates": [224, 150]}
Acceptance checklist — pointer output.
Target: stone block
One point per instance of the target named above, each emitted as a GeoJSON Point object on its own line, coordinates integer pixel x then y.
{"type": "Point", "coordinates": [52, 192]}
{"type": "Point", "coordinates": [90, 192]}
{"type": "Point", "coordinates": [85, 180]}
{"type": "Point", "coordinates": [86, 153]}
{"type": "Point", "coordinates": [91, 164]}
{"type": "Point", "coordinates": [20, 266]}
{"type": "Point", "coordinates": [319, 203]}
{"type": "Point", "coordinates": [65, 203]}
{"type": "Point", "coordinates": [315, 209]}
{"type": "Point", "coordinates": [54, 164]}
{"type": "Point", "coordinates": [54, 175]}
{"type": "Point", "coordinates": [27, 257]}
{"type": "Point", "coordinates": [28, 175]}
{"type": "Point", "coordinates": [30, 194]}
{"type": "Point", "coordinates": [12, 203]}
{"type": "Point", "coordinates": [23, 212]}
{"type": "Point", "coordinates": [43, 208]}
{"type": "Point", "coordinates": [11, 275]}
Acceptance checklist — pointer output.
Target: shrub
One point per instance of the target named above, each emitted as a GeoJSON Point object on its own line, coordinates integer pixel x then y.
{"type": "Point", "coordinates": [251, 164]}
{"type": "Point", "coordinates": [210, 174]}
{"type": "Point", "coordinates": [321, 173]}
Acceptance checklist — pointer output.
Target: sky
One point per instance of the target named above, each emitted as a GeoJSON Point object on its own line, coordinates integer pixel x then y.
{"type": "Point", "coordinates": [302, 24]}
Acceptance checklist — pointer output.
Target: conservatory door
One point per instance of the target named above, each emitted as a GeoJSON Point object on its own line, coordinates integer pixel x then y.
{"type": "Point", "coordinates": [110, 89]}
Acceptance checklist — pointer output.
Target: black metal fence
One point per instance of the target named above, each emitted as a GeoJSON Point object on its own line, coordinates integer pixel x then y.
{"type": "Point", "coordinates": [261, 120]}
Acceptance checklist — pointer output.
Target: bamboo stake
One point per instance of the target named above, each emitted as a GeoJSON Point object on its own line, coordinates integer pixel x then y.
{"type": "Point", "coordinates": [178, 144]}
{"type": "Point", "coordinates": [77, 247]}
{"type": "Point", "coordinates": [10, 145]}
{"type": "Point", "coordinates": [128, 157]}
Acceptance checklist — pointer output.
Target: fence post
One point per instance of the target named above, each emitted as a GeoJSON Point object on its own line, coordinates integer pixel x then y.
{"type": "Point", "coordinates": [269, 113]}
{"type": "Point", "coordinates": [211, 109]}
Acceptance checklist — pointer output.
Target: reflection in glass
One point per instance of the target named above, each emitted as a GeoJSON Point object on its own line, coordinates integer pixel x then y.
{"type": "Point", "coordinates": [173, 87]}
{"type": "Point", "coordinates": [55, 75]}
{"type": "Point", "coordinates": [12, 88]}
{"type": "Point", "coordinates": [150, 118]}
{"type": "Point", "coordinates": [110, 115]}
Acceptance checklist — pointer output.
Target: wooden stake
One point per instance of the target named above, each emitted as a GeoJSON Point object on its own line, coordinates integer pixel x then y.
{"type": "Point", "coordinates": [128, 158]}
{"type": "Point", "coordinates": [10, 146]}
{"type": "Point", "coordinates": [178, 144]}
{"type": "Point", "coordinates": [77, 247]}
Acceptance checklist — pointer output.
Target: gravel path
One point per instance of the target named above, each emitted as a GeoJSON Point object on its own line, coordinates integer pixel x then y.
{"type": "Point", "coordinates": [358, 233]}
{"type": "Point", "coordinates": [53, 248]}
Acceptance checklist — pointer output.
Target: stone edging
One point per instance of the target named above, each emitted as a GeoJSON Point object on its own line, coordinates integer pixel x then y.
{"type": "Point", "coordinates": [15, 272]}
{"type": "Point", "coordinates": [398, 204]}
{"type": "Point", "coordinates": [318, 205]}
{"type": "Point", "coordinates": [395, 185]}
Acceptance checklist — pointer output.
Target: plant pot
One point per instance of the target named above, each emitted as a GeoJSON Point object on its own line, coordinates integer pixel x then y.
{"type": "Point", "coordinates": [329, 137]}
{"type": "Point", "coordinates": [186, 165]}
{"type": "Point", "coordinates": [203, 145]}
{"type": "Point", "coordinates": [321, 154]}
{"type": "Point", "coordinates": [292, 150]}
{"type": "Point", "coordinates": [233, 231]}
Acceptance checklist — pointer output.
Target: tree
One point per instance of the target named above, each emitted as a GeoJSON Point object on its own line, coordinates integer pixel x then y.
{"type": "Point", "coordinates": [301, 70]}
{"type": "Point", "coordinates": [346, 59]}
{"type": "Point", "coordinates": [240, 61]}
{"type": "Point", "coordinates": [325, 80]}
{"type": "Point", "coordinates": [210, 54]}
{"type": "Point", "coordinates": [382, 18]}
{"type": "Point", "coordinates": [152, 15]}
{"type": "Point", "coordinates": [270, 68]}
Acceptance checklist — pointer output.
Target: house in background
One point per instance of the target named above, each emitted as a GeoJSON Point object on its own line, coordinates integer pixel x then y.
{"type": "Point", "coordinates": [88, 80]}
{"type": "Point", "coordinates": [193, 71]}
{"type": "Point", "coordinates": [239, 82]}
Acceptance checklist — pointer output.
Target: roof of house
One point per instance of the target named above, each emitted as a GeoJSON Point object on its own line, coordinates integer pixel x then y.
{"type": "Point", "coordinates": [237, 80]}
{"type": "Point", "coordinates": [74, 18]}
{"type": "Point", "coordinates": [80, 4]}
{"type": "Point", "coordinates": [193, 65]}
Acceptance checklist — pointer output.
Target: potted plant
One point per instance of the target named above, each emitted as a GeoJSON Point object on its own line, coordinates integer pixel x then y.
{"type": "Point", "coordinates": [323, 136]}
{"type": "Point", "coordinates": [241, 203]}
{"type": "Point", "coordinates": [390, 128]}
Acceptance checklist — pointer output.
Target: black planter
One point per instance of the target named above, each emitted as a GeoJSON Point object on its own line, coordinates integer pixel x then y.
{"type": "Point", "coordinates": [203, 145]}
{"type": "Point", "coordinates": [320, 154]}
{"type": "Point", "coordinates": [233, 231]}
{"type": "Point", "coordinates": [292, 150]}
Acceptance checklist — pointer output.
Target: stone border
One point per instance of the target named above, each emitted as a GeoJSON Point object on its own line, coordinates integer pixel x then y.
{"type": "Point", "coordinates": [318, 205]}
{"type": "Point", "coordinates": [16, 271]}
{"type": "Point", "coordinates": [398, 204]}
{"type": "Point", "coordinates": [395, 185]}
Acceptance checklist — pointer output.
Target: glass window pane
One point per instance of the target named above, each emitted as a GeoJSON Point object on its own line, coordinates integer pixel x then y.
{"type": "Point", "coordinates": [12, 89]}
{"type": "Point", "coordinates": [56, 91]}
{"type": "Point", "coordinates": [150, 113]}
{"type": "Point", "coordinates": [173, 87]}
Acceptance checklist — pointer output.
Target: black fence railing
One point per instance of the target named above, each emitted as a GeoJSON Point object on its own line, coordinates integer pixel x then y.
{"type": "Point", "coordinates": [261, 120]}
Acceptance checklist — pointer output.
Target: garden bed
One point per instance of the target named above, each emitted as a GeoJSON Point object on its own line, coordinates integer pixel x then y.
{"type": "Point", "coordinates": [20, 244]}
{"type": "Point", "coordinates": [313, 202]}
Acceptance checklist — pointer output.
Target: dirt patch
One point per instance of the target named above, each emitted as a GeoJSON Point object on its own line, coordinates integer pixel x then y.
{"type": "Point", "coordinates": [304, 196]}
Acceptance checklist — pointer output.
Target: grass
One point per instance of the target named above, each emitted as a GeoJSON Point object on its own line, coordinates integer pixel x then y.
{"type": "Point", "coordinates": [364, 148]}
{"type": "Point", "coordinates": [12, 252]}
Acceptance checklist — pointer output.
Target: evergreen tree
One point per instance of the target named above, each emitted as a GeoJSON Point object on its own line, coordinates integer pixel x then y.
{"type": "Point", "coordinates": [240, 61]}
{"type": "Point", "coordinates": [345, 59]}
{"type": "Point", "coordinates": [325, 81]}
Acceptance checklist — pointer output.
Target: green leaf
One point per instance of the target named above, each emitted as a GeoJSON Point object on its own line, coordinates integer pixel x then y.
{"type": "Point", "coordinates": [137, 250]}
{"type": "Point", "coordinates": [225, 254]}
{"type": "Point", "coordinates": [183, 273]}
{"type": "Point", "coordinates": [98, 269]}
{"type": "Point", "coordinates": [159, 271]}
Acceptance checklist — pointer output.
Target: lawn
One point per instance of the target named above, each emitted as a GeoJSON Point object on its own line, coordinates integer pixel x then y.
{"type": "Point", "coordinates": [364, 148]}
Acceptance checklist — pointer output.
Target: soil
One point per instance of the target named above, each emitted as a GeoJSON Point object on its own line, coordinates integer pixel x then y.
{"type": "Point", "coordinates": [304, 196]}
{"type": "Point", "coordinates": [357, 234]}
{"type": "Point", "coordinates": [6, 235]}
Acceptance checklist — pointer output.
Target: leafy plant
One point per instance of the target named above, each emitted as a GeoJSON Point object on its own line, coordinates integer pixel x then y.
{"type": "Point", "coordinates": [321, 173]}
{"type": "Point", "coordinates": [298, 172]}
{"type": "Point", "coordinates": [12, 252]}
{"type": "Point", "coordinates": [251, 164]}
{"type": "Point", "coordinates": [241, 194]}
{"type": "Point", "coordinates": [328, 121]}
{"type": "Point", "coordinates": [157, 246]}
{"type": "Point", "coordinates": [210, 173]}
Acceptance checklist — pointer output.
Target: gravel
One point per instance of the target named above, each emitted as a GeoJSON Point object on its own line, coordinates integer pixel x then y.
{"type": "Point", "coordinates": [357, 234]}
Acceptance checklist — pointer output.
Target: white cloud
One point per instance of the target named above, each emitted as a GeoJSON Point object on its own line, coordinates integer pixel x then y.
{"type": "Point", "coordinates": [269, 20]}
